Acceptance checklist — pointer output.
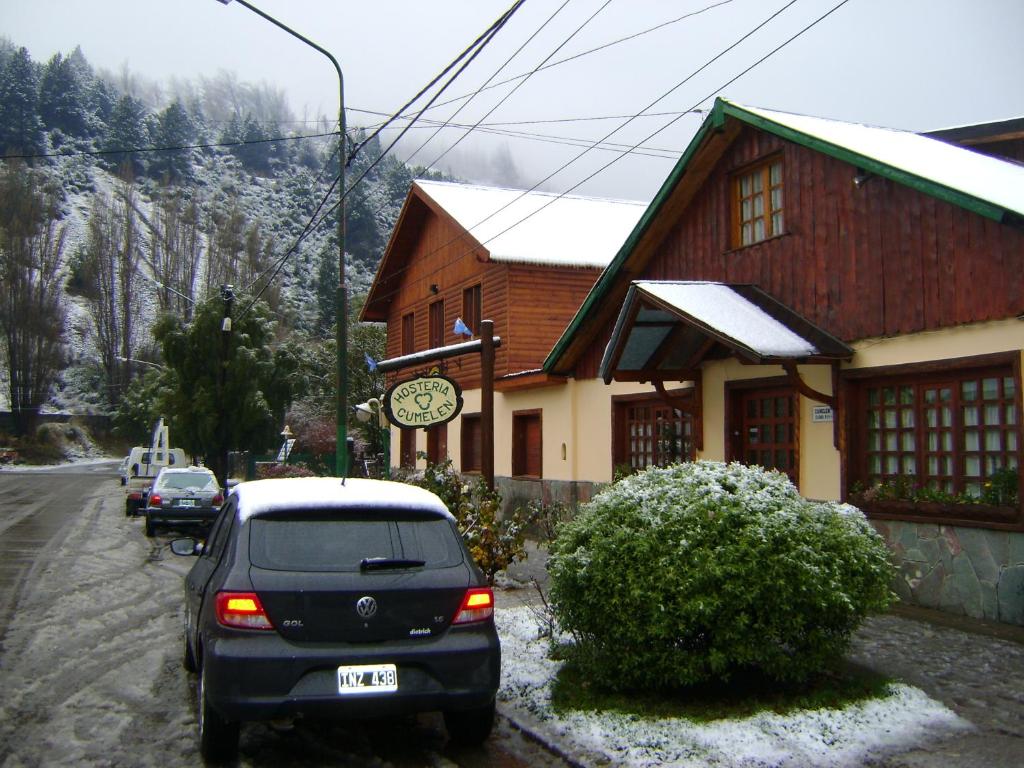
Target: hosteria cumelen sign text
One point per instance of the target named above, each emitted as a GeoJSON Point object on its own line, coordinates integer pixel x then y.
{"type": "Point", "coordinates": [423, 401]}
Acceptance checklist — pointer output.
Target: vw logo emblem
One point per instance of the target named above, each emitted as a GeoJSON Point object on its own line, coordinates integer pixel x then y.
{"type": "Point", "coordinates": [366, 607]}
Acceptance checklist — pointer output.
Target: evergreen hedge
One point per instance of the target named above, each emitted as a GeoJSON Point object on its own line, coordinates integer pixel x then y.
{"type": "Point", "coordinates": [702, 571]}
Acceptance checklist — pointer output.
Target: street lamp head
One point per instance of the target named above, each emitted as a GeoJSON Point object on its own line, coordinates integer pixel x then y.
{"type": "Point", "coordinates": [366, 411]}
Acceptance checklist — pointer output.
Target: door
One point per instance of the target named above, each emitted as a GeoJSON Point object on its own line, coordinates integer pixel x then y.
{"type": "Point", "coordinates": [767, 430]}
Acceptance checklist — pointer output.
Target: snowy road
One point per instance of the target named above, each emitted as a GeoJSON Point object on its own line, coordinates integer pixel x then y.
{"type": "Point", "coordinates": [90, 662]}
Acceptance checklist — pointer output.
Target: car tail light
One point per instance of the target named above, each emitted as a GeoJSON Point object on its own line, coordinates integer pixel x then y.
{"type": "Point", "coordinates": [218, 500]}
{"type": "Point", "coordinates": [155, 501]}
{"type": "Point", "coordinates": [477, 605]}
{"type": "Point", "coordinates": [135, 495]}
{"type": "Point", "coordinates": [242, 610]}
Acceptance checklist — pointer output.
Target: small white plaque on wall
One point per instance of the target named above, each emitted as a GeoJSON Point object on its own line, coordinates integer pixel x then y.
{"type": "Point", "coordinates": [821, 413]}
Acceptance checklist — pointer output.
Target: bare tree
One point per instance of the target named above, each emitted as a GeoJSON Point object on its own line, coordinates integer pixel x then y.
{"type": "Point", "coordinates": [238, 254]}
{"type": "Point", "coordinates": [110, 271]}
{"type": "Point", "coordinates": [175, 251]}
{"type": "Point", "coordinates": [32, 312]}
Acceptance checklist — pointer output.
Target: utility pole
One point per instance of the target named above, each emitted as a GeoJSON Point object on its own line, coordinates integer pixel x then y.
{"type": "Point", "coordinates": [340, 299]}
{"type": "Point", "coordinates": [227, 295]}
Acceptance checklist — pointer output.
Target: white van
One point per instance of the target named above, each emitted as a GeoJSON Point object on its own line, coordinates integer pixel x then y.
{"type": "Point", "coordinates": [142, 466]}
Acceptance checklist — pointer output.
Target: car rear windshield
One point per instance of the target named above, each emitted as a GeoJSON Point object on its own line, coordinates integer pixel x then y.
{"type": "Point", "coordinates": [318, 543]}
{"type": "Point", "coordinates": [182, 480]}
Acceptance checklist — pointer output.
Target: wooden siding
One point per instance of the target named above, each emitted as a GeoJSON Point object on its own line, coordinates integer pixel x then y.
{"type": "Point", "coordinates": [1011, 149]}
{"type": "Point", "coordinates": [542, 301]}
{"type": "Point", "coordinates": [878, 259]}
{"type": "Point", "coordinates": [442, 255]}
{"type": "Point", "coordinates": [530, 305]}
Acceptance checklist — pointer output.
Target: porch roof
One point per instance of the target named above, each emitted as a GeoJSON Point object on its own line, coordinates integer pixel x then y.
{"type": "Point", "coordinates": [665, 329]}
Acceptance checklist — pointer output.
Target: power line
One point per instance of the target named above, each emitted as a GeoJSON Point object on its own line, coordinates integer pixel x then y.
{"type": "Point", "coordinates": [467, 102]}
{"type": "Point", "coordinates": [607, 136]}
{"type": "Point", "coordinates": [492, 33]}
{"type": "Point", "coordinates": [647, 138]}
{"type": "Point", "coordinates": [476, 45]}
{"type": "Point", "coordinates": [312, 224]}
{"type": "Point", "coordinates": [181, 148]}
{"type": "Point", "coordinates": [550, 138]}
{"type": "Point", "coordinates": [597, 49]}
{"type": "Point", "coordinates": [522, 82]}
{"type": "Point", "coordinates": [674, 120]}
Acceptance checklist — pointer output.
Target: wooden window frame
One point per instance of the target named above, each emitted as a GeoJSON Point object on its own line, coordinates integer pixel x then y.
{"type": "Point", "coordinates": [472, 307]}
{"type": "Point", "coordinates": [437, 444]}
{"type": "Point", "coordinates": [407, 448]}
{"type": "Point", "coordinates": [471, 442]}
{"type": "Point", "coordinates": [762, 171]}
{"type": "Point", "coordinates": [622, 449]}
{"type": "Point", "coordinates": [408, 339]}
{"type": "Point", "coordinates": [520, 451]}
{"type": "Point", "coordinates": [435, 324]}
{"type": "Point", "coordinates": [856, 384]}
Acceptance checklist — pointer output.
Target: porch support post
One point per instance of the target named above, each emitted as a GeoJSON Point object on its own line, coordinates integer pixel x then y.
{"type": "Point", "coordinates": [487, 402]}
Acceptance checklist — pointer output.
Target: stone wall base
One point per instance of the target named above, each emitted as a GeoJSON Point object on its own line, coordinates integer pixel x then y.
{"type": "Point", "coordinates": [969, 571]}
{"type": "Point", "coordinates": [518, 492]}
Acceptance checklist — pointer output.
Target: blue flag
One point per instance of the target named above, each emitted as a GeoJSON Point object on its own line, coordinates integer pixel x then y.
{"type": "Point", "coordinates": [370, 362]}
{"type": "Point", "coordinates": [461, 328]}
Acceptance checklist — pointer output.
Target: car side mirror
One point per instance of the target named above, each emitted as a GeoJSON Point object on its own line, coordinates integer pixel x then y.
{"type": "Point", "coordinates": [186, 547]}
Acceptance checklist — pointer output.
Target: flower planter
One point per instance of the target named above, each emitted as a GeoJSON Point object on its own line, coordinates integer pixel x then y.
{"type": "Point", "coordinates": [984, 515]}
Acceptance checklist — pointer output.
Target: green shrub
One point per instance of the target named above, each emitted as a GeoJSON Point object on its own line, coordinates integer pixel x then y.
{"type": "Point", "coordinates": [494, 541]}
{"type": "Point", "coordinates": [701, 571]}
{"type": "Point", "coordinates": [273, 471]}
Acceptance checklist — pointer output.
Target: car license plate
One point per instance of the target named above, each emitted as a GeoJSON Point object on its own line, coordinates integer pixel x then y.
{"type": "Point", "coordinates": [187, 503]}
{"type": "Point", "coordinates": [367, 678]}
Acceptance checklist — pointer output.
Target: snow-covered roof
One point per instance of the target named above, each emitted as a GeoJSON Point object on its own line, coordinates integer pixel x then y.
{"type": "Point", "coordinates": [742, 318]}
{"type": "Point", "coordinates": [309, 493]}
{"type": "Point", "coordinates": [985, 185]}
{"type": "Point", "coordinates": [983, 177]}
{"type": "Point", "coordinates": [538, 227]}
{"type": "Point", "coordinates": [718, 306]}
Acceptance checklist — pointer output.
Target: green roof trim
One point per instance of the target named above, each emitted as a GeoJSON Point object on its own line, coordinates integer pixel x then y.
{"type": "Point", "coordinates": [715, 121]}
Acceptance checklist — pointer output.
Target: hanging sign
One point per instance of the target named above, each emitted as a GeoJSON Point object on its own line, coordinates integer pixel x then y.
{"type": "Point", "coordinates": [423, 401]}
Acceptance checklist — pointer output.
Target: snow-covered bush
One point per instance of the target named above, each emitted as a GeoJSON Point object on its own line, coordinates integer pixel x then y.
{"type": "Point", "coordinates": [702, 571]}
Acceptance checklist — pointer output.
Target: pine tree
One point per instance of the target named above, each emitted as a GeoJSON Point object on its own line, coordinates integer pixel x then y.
{"type": "Point", "coordinates": [62, 98]}
{"type": "Point", "coordinates": [173, 129]}
{"type": "Point", "coordinates": [126, 129]}
{"type": "Point", "coordinates": [21, 130]}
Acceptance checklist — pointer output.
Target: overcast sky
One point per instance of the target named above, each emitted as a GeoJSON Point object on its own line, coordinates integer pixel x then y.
{"type": "Point", "coordinates": [915, 64]}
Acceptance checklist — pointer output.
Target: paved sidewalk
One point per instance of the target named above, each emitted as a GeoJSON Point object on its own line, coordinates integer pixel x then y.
{"type": "Point", "coordinates": [975, 668]}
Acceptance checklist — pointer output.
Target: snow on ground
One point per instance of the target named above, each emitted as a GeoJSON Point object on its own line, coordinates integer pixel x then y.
{"type": "Point", "coordinates": [84, 461]}
{"type": "Point", "coordinates": [834, 738]}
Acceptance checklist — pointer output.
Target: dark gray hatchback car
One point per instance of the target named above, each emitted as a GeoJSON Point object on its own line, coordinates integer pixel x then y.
{"type": "Point", "coordinates": [182, 497]}
{"type": "Point", "coordinates": [354, 599]}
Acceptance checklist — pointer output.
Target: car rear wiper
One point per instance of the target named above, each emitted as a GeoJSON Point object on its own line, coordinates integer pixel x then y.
{"type": "Point", "coordinates": [382, 563]}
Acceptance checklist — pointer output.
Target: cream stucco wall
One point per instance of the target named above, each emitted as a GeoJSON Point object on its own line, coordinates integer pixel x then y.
{"type": "Point", "coordinates": [819, 458]}
{"type": "Point", "coordinates": [578, 415]}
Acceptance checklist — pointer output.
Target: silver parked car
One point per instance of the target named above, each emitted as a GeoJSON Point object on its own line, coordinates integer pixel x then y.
{"type": "Point", "coordinates": [182, 497]}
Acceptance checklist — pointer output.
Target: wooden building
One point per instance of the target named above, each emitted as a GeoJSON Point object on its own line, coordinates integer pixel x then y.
{"type": "Point", "coordinates": [524, 260]}
{"type": "Point", "coordinates": [843, 303]}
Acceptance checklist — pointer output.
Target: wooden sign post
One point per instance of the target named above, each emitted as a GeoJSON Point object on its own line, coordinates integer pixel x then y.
{"type": "Point", "coordinates": [484, 346]}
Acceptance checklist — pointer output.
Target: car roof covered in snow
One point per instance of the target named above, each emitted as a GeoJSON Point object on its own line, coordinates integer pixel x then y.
{"type": "Point", "coordinates": [303, 494]}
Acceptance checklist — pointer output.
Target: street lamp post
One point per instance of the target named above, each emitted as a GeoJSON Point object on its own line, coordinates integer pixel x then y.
{"type": "Point", "coordinates": [342, 462]}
